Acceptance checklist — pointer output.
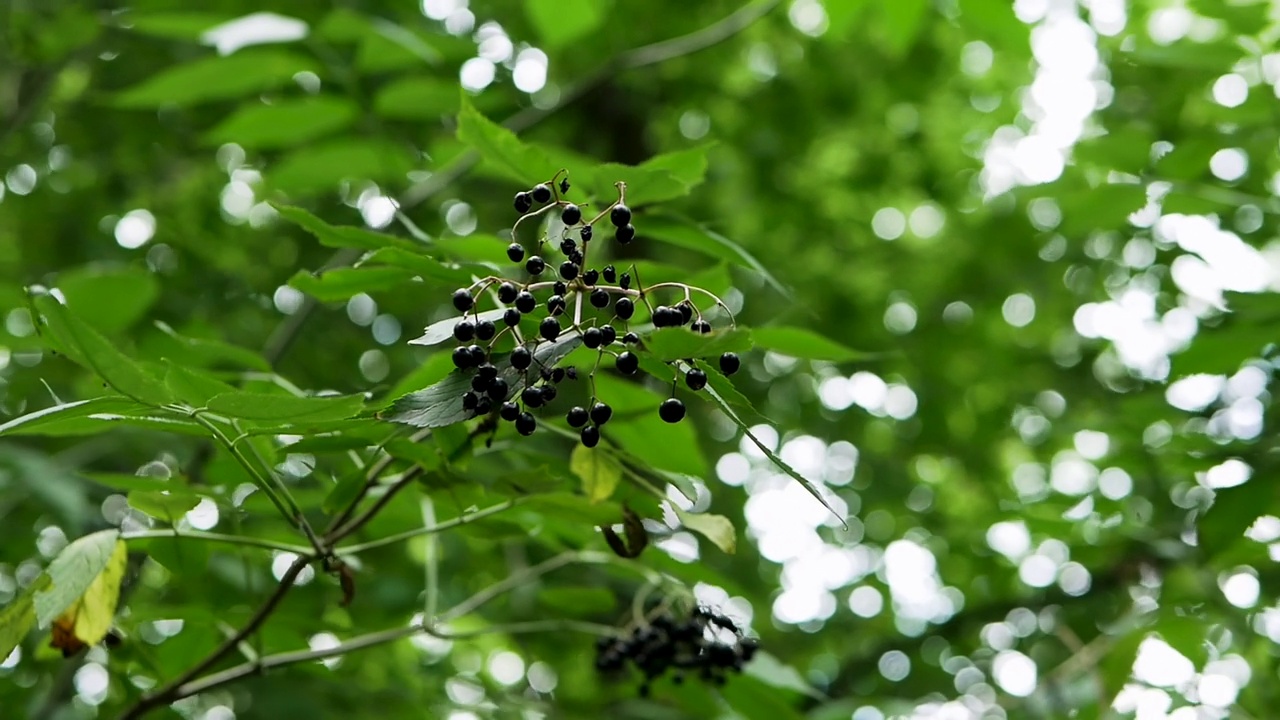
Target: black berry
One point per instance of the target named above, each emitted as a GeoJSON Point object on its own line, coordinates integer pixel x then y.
{"type": "Point", "coordinates": [526, 302]}
{"type": "Point", "coordinates": [664, 316]}
{"type": "Point", "coordinates": [576, 257]}
{"type": "Point", "coordinates": [590, 277]}
{"type": "Point", "coordinates": [548, 393]}
{"type": "Point", "coordinates": [729, 363]}
{"type": "Point", "coordinates": [464, 331]}
{"type": "Point", "coordinates": [559, 288]}
{"type": "Point", "coordinates": [470, 400]}
{"type": "Point", "coordinates": [576, 417]}
{"type": "Point", "coordinates": [549, 329]}
{"type": "Point", "coordinates": [567, 246]}
{"type": "Point", "coordinates": [557, 375]}
{"type": "Point", "coordinates": [610, 273]}
{"type": "Point", "coordinates": [590, 436]}
{"type": "Point", "coordinates": [608, 335]}
{"type": "Point", "coordinates": [628, 363]}
{"type": "Point", "coordinates": [624, 308]}
{"type": "Point", "coordinates": [556, 304]}
{"type": "Point", "coordinates": [507, 292]}
{"type": "Point", "coordinates": [701, 326]}
{"type": "Point", "coordinates": [686, 312]}
{"type": "Point", "coordinates": [521, 358]}
{"type": "Point", "coordinates": [624, 281]}
{"type": "Point", "coordinates": [485, 330]}
{"type": "Point", "coordinates": [461, 358]}
{"type": "Point", "coordinates": [488, 371]}
{"type": "Point", "coordinates": [480, 383]}
{"type": "Point", "coordinates": [585, 232]}
{"type": "Point", "coordinates": [695, 379]}
{"type": "Point", "coordinates": [509, 411]}
{"type": "Point", "coordinates": [600, 298]}
{"type": "Point", "coordinates": [541, 193]}
{"type": "Point", "coordinates": [592, 338]}
{"type": "Point", "coordinates": [515, 252]}
{"type": "Point", "coordinates": [600, 413]}
{"type": "Point", "coordinates": [671, 410]}
{"type": "Point", "coordinates": [511, 317]}
{"type": "Point", "coordinates": [626, 234]}
{"type": "Point", "coordinates": [620, 215]}
{"type": "Point", "coordinates": [631, 338]}
{"type": "Point", "coordinates": [462, 299]}
{"type": "Point", "coordinates": [571, 214]}
{"type": "Point", "coordinates": [568, 270]}
{"type": "Point", "coordinates": [477, 354]}
{"type": "Point", "coordinates": [523, 202]}
{"type": "Point", "coordinates": [526, 423]}
{"type": "Point", "coordinates": [485, 406]}
{"type": "Point", "coordinates": [564, 185]}
{"type": "Point", "coordinates": [531, 397]}
{"type": "Point", "coordinates": [498, 389]}
{"type": "Point", "coordinates": [535, 265]}
{"type": "Point", "coordinates": [571, 372]}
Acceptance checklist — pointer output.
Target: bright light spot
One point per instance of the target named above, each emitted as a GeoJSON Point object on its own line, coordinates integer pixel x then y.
{"type": "Point", "coordinates": [1091, 444]}
{"type": "Point", "coordinates": [976, 58]}
{"type": "Point", "coordinates": [204, 516]}
{"type": "Point", "coordinates": [14, 658]}
{"type": "Point", "coordinates": [1014, 672]}
{"type": "Point", "coordinates": [900, 318]}
{"type": "Point", "coordinates": [1009, 538]}
{"type": "Point", "coordinates": [808, 16]}
{"type": "Point", "coordinates": [460, 218]}
{"type": "Point", "coordinates": [374, 365]}
{"type": "Point", "coordinates": [51, 540]}
{"type": "Point", "coordinates": [926, 221]}
{"type": "Point", "coordinates": [1160, 665]}
{"type": "Point", "coordinates": [895, 666]}
{"type": "Point", "coordinates": [733, 468]}
{"type": "Point", "coordinates": [694, 124]}
{"type": "Point", "coordinates": [1217, 690]}
{"type": "Point", "coordinates": [900, 402]}
{"type": "Point", "coordinates": [441, 9]}
{"type": "Point", "coordinates": [1115, 484]}
{"type": "Point", "coordinates": [362, 309]}
{"type": "Point", "coordinates": [326, 641]}
{"type": "Point", "coordinates": [287, 300]}
{"type": "Point", "coordinates": [1229, 164]}
{"type": "Point", "coordinates": [460, 22]}
{"type": "Point", "coordinates": [1019, 310]}
{"type": "Point", "coordinates": [1195, 392]}
{"type": "Point", "coordinates": [868, 390]}
{"type": "Point", "coordinates": [866, 601]}
{"type": "Point", "coordinates": [888, 223]}
{"type": "Point", "coordinates": [135, 229]}
{"type": "Point", "coordinates": [1229, 473]}
{"type": "Point", "coordinates": [1030, 11]}
{"type": "Point", "coordinates": [1072, 475]}
{"type": "Point", "coordinates": [506, 667]}
{"type": "Point", "coordinates": [682, 547]}
{"type": "Point", "coordinates": [1230, 90]}
{"type": "Point", "coordinates": [494, 44]}
{"type": "Point", "coordinates": [1037, 570]}
{"type": "Point", "coordinates": [477, 74]}
{"type": "Point", "coordinates": [377, 209]}
{"type": "Point", "coordinates": [1241, 589]}
{"type": "Point", "coordinates": [256, 29]}
{"type": "Point", "coordinates": [463, 691]}
{"type": "Point", "coordinates": [1264, 529]}
{"type": "Point", "coordinates": [386, 329]}
{"type": "Point", "coordinates": [542, 678]}
{"type": "Point", "coordinates": [1074, 579]}
{"type": "Point", "coordinates": [280, 565]}
{"type": "Point", "coordinates": [92, 683]}
{"type": "Point", "coordinates": [21, 179]}
{"type": "Point", "coordinates": [530, 74]}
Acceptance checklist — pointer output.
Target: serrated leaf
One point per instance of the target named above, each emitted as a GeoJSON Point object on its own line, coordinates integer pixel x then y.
{"type": "Point", "coordinates": [688, 166]}
{"type": "Point", "coordinates": [19, 616]}
{"type": "Point", "coordinates": [69, 418]}
{"type": "Point", "coordinates": [669, 344]}
{"type": "Point", "coordinates": [338, 236]}
{"type": "Point", "coordinates": [208, 352]}
{"type": "Point", "coordinates": [427, 267]}
{"type": "Point", "coordinates": [438, 332]}
{"type": "Point", "coordinates": [693, 237]}
{"type": "Point", "coordinates": [73, 571]}
{"type": "Point", "coordinates": [284, 123]}
{"type": "Point", "coordinates": [725, 388]}
{"type": "Point", "coordinates": [109, 299]}
{"type": "Point", "coordinates": [599, 471]}
{"type": "Point", "coordinates": [501, 148]}
{"type": "Point", "coordinates": [802, 343]}
{"type": "Point", "coordinates": [340, 284]}
{"type": "Point", "coordinates": [93, 350]}
{"type": "Point", "coordinates": [89, 618]}
{"type": "Point", "coordinates": [644, 185]}
{"type": "Point", "coordinates": [288, 408]}
{"type": "Point", "coordinates": [716, 528]}
{"type": "Point", "coordinates": [193, 387]}
{"type": "Point", "coordinates": [218, 78]}
{"type": "Point", "coordinates": [441, 404]}
{"type": "Point", "coordinates": [171, 505]}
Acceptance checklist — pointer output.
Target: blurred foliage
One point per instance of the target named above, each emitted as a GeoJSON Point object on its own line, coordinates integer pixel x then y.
{"type": "Point", "coordinates": [1008, 271]}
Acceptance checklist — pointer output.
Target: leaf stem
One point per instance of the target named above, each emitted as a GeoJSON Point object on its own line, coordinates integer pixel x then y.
{"type": "Point", "coordinates": [241, 540]}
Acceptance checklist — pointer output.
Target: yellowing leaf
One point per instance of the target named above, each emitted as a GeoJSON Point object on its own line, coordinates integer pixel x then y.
{"type": "Point", "coordinates": [599, 472]}
{"type": "Point", "coordinates": [717, 528]}
{"type": "Point", "coordinates": [18, 617]}
{"type": "Point", "coordinates": [73, 571]}
{"type": "Point", "coordinates": [88, 619]}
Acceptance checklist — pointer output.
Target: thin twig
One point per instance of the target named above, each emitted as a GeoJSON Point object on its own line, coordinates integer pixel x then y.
{"type": "Point", "coordinates": [437, 528]}
{"type": "Point", "coordinates": [217, 538]}
{"type": "Point", "coordinates": [509, 583]}
{"type": "Point", "coordinates": [371, 480]}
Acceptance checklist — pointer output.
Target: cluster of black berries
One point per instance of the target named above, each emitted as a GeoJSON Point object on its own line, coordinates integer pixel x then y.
{"type": "Point", "coordinates": [596, 304]}
{"type": "Point", "coordinates": [705, 643]}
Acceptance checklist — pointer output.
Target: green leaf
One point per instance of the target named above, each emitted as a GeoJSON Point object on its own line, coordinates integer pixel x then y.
{"type": "Point", "coordinates": [560, 22]}
{"type": "Point", "coordinates": [679, 441]}
{"type": "Point", "coordinates": [841, 15]}
{"type": "Point", "coordinates": [71, 418]}
{"type": "Point", "coordinates": [426, 266]}
{"type": "Point", "coordinates": [441, 404]}
{"type": "Point", "coordinates": [427, 455]}
{"type": "Point", "coordinates": [130, 483]}
{"type": "Point", "coordinates": [575, 509]}
{"type": "Point", "coordinates": [388, 46]}
{"type": "Point", "coordinates": [773, 672]}
{"type": "Point", "coordinates": [802, 343]}
{"type": "Point", "coordinates": [725, 388]}
{"type": "Point", "coordinates": [687, 166]}
{"type": "Point", "coordinates": [206, 352]}
{"type": "Point", "coordinates": [42, 481]}
{"type": "Point", "coordinates": [72, 571]}
{"type": "Point", "coordinates": [344, 492]}
{"type": "Point", "coordinates": [170, 505]}
{"type": "Point", "coordinates": [193, 387]}
{"type": "Point", "coordinates": [902, 22]}
{"type": "Point", "coordinates": [323, 166]}
{"type": "Point", "coordinates": [90, 617]}
{"type": "Point", "coordinates": [1233, 510]}
{"type": "Point", "coordinates": [109, 298]}
{"type": "Point", "coordinates": [678, 343]}
{"type": "Point", "coordinates": [693, 237]}
{"type": "Point", "coordinates": [99, 354]}
{"type": "Point", "coordinates": [417, 98]}
{"type": "Point", "coordinates": [340, 284]}
{"type": "Point", "coordinates": [19, 616]}
{"type": "Point", "coordinates": [436, 368]}
{"type": "Point", "coordinates": [218, 78]}
{"type": "Point", "coordinates": [578, 601]}
{"type": "Point", "coordinates": [438, 332]}
{"type": "Point", "coordinates": [287, 408]}
{"type": "Point", "coordinates": [284, 123]}
{"type": "Point", "coordinates": [716, 528]}
{"type": "Point", "coordinates": [599, 471]}
{"type": "Point", "coordinates": [1185, 634]}
{"type": "Point", "coordinates": [501, 148]}
{"type": "Point", "coordinates": [644, 185]}
{"type": "Point", "coordinates": [337, 236]}
{"type": "Point", "coordinates": [175, 25]}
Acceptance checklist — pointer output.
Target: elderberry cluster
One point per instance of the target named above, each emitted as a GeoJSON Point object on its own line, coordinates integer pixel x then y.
{"type": "Point", "coordinates": [538, 317]}
{"type": "Point", "coordinates": [705, 643]}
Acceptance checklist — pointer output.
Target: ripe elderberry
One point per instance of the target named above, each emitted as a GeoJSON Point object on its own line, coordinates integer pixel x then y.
{"type": "Point", "coordinates": [511, 317]}
{"type": "Point", "coordinates": [686, 312]}
{"type": "Point", "coordinates": [625, 234]}
{"type": "Point", "coordinates": [592, 338]}
{"type": "Point", "coordinates": [701, 326]}
{"type": "Point", "coordinates": [509, 411]}
{"type": "Point", "coordinates": [631, 338]}
{"type": "Point", "coordinates": [571, 215]}
{"type": "Point", "coordinates": [515, 252]}
{"type": "Point", "coordinates": [526, 423]}
{"type": "Point", "coordinates": [624, 308]}
{"type": "Point", "coordinates": [470, 400]}
{"type": "Point", "coordinates": [559, 288]}
{"type": "Point", "coordinates": [535, 265]}
{"type": "Point", "coordinates": [462, 358]}
{"type": "Point", "coordinates": [485, 330]}
{"type": "Point", "coordinates": [695, 379]}
{"type": "Point", "coordinates": [600, 413]}
{"type": "Point", "coordinates": [477, 354]}
{"type": "Point", "coordinates": [620, 215]}
{"type": "Point", "coordinates": [485, 406]}
{"type": "Point", "coordinates": [541, 193]}
{"type": "Point", "coordinates": [624, 281]}
{"type": "Point", "coordinates": [590, 436]}
{"type": "Point", "coordinates": [564, 185]}
{"type": "Point", "coordinates": [586, 233]}
{"type": "Point", "coordinates": [568, 270]}
{"type": "Point", "coordinates": [664, 316]}
{"type": "Point", "coordinates": [600, 298]}
{"type": "Point", "coordinates": [556, 304]}
{"type": "Point", "coordinates": [523, 202]}
{"type": "Point", "coordinates": [464, 331]}
{"type": "Point", "coordinates": [590, 277]}
{"type": "Point", "coordinates": [526, 302]}
{"type": "Point", "coordinates": [671, 410]}
{"type": "Point", "coordinates": [498, 389]}
{"type": "Point", "coordinates": [521, 358]}
{"type": "Point", "coordinates": [610, 273]}
{"type": "Point", "coordinates": [532, 397]}
{"type": "Point", "coordinates": [549, 329]}
{"type": "Point", "coordinates": [608, 335]}
{"type": "Point", "coordinates": [628, 363]}
{"type": "Point", "coordinates": [548, 394]}
{"type": "Point", "coordinates": [462, 299]}
{"type": "Point", "coordinates": [729, 363]}
{"type": "Point", "coordinates": [507, 292]}
{"type": "Point", "coordinates": [576, 417]}
{"type": "Point", "coordinates": [567, 246]}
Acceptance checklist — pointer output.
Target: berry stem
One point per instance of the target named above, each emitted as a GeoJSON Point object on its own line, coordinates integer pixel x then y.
{"type": "Point", "coordinates": [622, 199]}
{"type": "Point", "coordinates": [555, 203]}
{"type": "Point", "coordinates": [688, 288]}
{"type": "Point", "coordinates": [577, 302]}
